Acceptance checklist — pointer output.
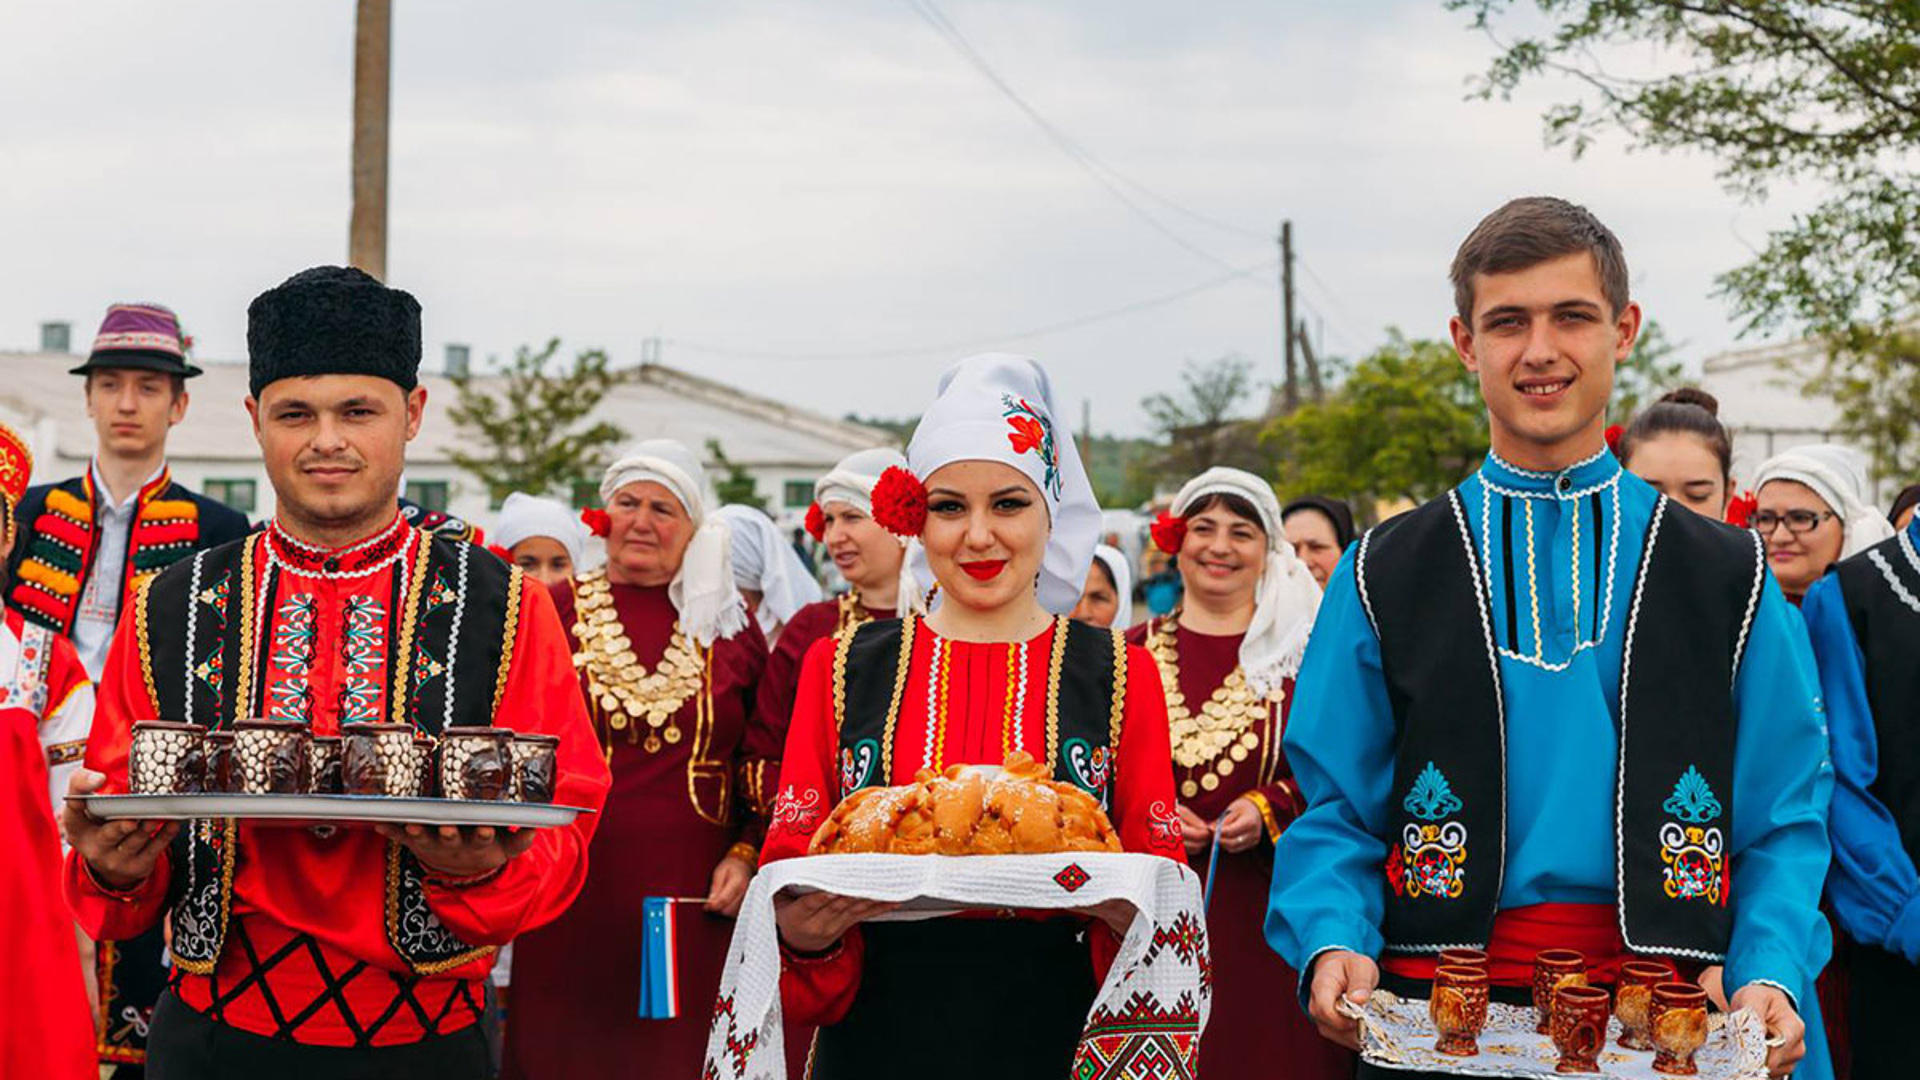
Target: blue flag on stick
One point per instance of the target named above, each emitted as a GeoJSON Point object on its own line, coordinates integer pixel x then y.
{"type": "Point", "coordinates": [659, 960]}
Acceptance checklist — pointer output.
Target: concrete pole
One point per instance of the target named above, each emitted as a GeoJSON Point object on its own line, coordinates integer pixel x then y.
{"type": "Point", "coordinates": [372, 71]}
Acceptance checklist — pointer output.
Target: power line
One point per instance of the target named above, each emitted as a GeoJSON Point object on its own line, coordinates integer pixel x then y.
{"type": "Point", "coordinates": [1333, 300]}
{"type": "Point", "coordinates": [1234, 274]}
{"type": "Point", "coordinates": [1105, 175]}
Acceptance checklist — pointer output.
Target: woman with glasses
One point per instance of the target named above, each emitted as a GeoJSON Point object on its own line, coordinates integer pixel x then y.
{"type": "Point", "coordinates": [1812, 510]}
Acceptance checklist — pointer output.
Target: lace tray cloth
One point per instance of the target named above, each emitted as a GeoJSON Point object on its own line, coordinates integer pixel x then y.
{"type": "Point", "coordinates": [1397, 1033]}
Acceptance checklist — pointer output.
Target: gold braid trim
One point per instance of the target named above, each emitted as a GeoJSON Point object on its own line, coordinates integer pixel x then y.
{"type": "Point", "coordinates": [409, 627]}
{"type": "Point", "coordinates": [243, 688]}
{"type": "Point", "coordinates": [393, 924]}
{"type": "Point", "coordinates": [909, 628]}
{"type": "Point", "coordinates": [1117, 713]}
{"type": "Point", "coordinates": [140, 619]}
{"type": "Point", "coordinates": [515, 578]}
{"type": "Point", "coordinates": [1266, 814]}
{"type": "Point", "coordinates": [1054, 662]}
{"type": "Point", "coordinates": [230, 842]}
{"type": "Point", "coordinates": [841, 644]}
{"type": "Point", "coordinates": [1010, 723]}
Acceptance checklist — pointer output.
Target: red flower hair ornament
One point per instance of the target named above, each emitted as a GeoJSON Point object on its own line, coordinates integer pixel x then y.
{"type": "Point", "coordinates": [504, 555]}
{"type": "Point", "coordinates": [816, 523]}
{"type": "Point", "coordinates": [900, 502]}
{"type": "Point", "coordinates": [1740, 509]}
{"type": "Point", "coordinates": [1169, 532]}
{"type": "Point", "coordinates": [597, 522]}
{"type": "Point", "coordinates": [1613, 438]}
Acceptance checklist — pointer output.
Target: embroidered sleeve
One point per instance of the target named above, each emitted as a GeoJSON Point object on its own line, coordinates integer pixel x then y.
{"type": "Point", "coordinates": [1143, 798]}
{"type": "Point", "coordinates": [809, 788]}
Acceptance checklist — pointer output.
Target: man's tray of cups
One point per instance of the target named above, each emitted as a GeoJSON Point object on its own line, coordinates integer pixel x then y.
{"type": "Point", "coordinates": [1650, 1026]}
{"type": "Point", "coordinates": [277, 770]}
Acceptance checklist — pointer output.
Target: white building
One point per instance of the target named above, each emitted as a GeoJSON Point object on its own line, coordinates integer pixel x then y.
{"type": "Point", "coordinates": [782, 447]}
{"type": "Point", "coordinates": [1763, 405]}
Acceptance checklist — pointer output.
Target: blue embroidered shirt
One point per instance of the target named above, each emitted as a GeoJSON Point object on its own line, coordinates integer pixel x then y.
{"type": "Point", "coordinates": [1561, 552]}
{"type": "Point", "coordinates": [1873, 883]}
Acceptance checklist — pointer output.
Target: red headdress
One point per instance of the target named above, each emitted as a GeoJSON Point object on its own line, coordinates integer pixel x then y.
{"type": "Point", "coordinates": [16, 471]}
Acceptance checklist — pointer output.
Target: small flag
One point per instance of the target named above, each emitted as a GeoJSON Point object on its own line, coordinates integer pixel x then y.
{"type": "Point", "coordinates": [659, 960]}
{"type": "Point", "coordinates": [1213, 861]}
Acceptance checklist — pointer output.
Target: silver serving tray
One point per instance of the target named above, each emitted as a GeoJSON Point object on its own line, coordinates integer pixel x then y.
{"type": "Point", "coordinates": [310, 809]}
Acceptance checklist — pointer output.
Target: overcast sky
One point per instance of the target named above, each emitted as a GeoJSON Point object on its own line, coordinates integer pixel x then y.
{"type": "Point", "coordinates": [818, 201]}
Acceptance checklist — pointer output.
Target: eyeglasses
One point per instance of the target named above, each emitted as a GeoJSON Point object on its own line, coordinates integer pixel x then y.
{"type": "Point", "coordinates": [1796, 521]}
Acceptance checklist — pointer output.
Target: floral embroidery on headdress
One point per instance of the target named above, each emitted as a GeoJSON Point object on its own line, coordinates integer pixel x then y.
{"type": "Point", "coordinates": [1033, 431]}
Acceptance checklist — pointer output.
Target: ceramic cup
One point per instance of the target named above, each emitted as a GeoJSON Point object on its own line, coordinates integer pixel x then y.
{"type": "Point", "coordinates": [1633, 994]}
{"type": "Point", "coordinates": [270, 757]}
{"type": "Point", "coordinates": [425, 766]}
{"type": "Point", "coordinates": [379, 759]}
{"type": "Point", "coordinates": [1458, 1008]}
{"type": "Point", "coordinates": [1579, 1027]}
{"type": "Point", "coordinates": [534, 767]}
{"type": "Point", "coordinates": [220, 776]}
{"type": "Point", "coordinates": [166, 758]}
{"type": "Point", "coordinates": [476, 763]}
{"type": "Point", "coordinates": [323, 764]}
{"type": "Point", "coordinates": [1677, 1024]}
{"type": "Point", "coordinates": [1463, 957]}
{"type": "Point", "coordinates": [1552, 969]}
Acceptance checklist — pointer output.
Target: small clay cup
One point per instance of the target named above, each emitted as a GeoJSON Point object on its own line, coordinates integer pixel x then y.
{"type": "Point", "coordinates": [476, 763]}
{"type": "Point", "coordinates": [534, 767]}
{"type": "Point", "coordinates": [219, 776]}
{"type": "Point", "coordinates": [1677, 1024]}
{"type": "Point", "coordinates": [1552, 969]}
{"type": "Point", "coordinates": [270, 757]}
{"type": "Point", "coordinates": [1579, 1027]}
{"type": "Point", "coordinates": [1458, 1008]}
{"type": "Point", "coordinates": [1463, 957]}
{"type": "Point", "coordinates": [379, 759]}
{"type": "Point", "coordinates": [1632, 997]}
{"type": "Point", "coordinates": [166, 758]}
{"type": "Point", "coordinates": [323, 764]}
{"type": "Point", "coordinates": [426, 765]}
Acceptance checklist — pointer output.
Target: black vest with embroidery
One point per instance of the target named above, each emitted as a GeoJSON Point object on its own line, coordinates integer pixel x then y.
{"type": "Point", "coordinates": [1089, 703]}
{"type": "Point", "coordinates": [197, 639]}
{"type": "Point", "coordinates": [1694, 596]}
{"type": "Point", "coordinates": [1881, 589]}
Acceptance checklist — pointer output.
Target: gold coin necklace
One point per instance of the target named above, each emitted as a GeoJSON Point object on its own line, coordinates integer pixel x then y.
{"type": "Point", "coordinates": [631, 697]}
{"type": "Point", "coordinates": [1223, 734]}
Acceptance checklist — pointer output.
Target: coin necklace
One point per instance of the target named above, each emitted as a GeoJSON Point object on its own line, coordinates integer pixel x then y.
{"type": "Point", "coordinates": [1223, 734]}
{"type": "Point", "coordinates": [626, 692]}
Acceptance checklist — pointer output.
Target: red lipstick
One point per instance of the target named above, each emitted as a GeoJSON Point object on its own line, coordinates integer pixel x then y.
{"type": "Point", "coordinates": [985, 569]}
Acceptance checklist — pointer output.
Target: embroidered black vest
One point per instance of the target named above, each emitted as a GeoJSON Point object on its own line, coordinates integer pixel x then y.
{"type": "Point", "coordinates": [202, 658]}
{"type": "Point", "coordinates": [1694, 596]}
{"type": "Point", "coordinates": [1881, 589]}
{"type": "Point", "coordinates": [1086, 702]}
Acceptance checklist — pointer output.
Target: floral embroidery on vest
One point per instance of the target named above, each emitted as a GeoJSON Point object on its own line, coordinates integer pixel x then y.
{"type": "Point", "coordinates": [1693, 849]}
{"type": "Point", "coordinates": [1431, 857]}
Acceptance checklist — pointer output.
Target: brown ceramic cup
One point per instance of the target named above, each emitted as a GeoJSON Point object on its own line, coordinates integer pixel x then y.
{"type": "Point", "coordinates": [220, 777]}
{"type": "Point", "coordinates": [476, 763]}
{"type": "Point", "coordinates": [1552, 969]}
{"type": "Point", "coordinates": [1458, 1008]}
{"type": "Point", "coordinates": [270, 757]}
{"type": "Point", "coordinates": [323, 764]}
{"type": "Point", "coordinates": [379, 759]}
{"type": "Point", "coordinates": [1463, 957]}
{"type": "Point", "coordinates": [1579, 1027]}
{"type": "Point", "coordinates": [1677, 1024]}
{"type": "Point", "coordinates": [166, 758]}
{"type": "Point", "coordinates": [1633, 994]}
{"type": "Point", "coordinates": [425, 766]}
{"type": "Point", "coordinates": [534, 767]}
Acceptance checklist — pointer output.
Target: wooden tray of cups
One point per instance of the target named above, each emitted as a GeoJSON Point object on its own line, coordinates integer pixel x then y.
{"type": "Point", "coordinates": [1398, 1033]}
{"type": "Point", "coordinates": [327, 809]}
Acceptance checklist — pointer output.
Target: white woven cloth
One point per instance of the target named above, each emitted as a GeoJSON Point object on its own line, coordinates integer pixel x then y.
{"type": "Point", "coordinates": [1146, 1021]}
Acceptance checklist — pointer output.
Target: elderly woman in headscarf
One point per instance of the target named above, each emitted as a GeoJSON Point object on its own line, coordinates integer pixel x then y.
{"type": "Point", "coordinates": [668, 660]}
{"type": "Point", "coordinates": [1107, 599]}
{"type": "Point", "coordinates": [766, 569]}
{"type": "Point", "coordinates": [1227, 656]}
{"type": "Point", "coordinates": [1812, 508]}
{"type": "Point", "coordinates": [540, 536]}
{"type": "Point", "coordinates": [1000, 502]}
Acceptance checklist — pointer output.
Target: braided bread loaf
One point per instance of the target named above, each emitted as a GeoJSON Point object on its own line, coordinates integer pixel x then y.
{"type": "Point", "coordinates": [968, 810]}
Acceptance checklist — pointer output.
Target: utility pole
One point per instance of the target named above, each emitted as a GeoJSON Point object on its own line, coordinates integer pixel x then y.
{"type": "Point", "coordinates": [1287, 323]}
{"type": "Point", "coordinates": [1313, 364]}
{"type": "Point", "coordinates": [372, 79]}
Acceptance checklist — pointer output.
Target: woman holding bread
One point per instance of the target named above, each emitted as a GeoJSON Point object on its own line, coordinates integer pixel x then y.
{"type": "Point", "coordinates": [996, 494]}
{"type": "Point", "coordinates": [1227, 657]}
{"type": "Point", "coordinates": [668, 660]}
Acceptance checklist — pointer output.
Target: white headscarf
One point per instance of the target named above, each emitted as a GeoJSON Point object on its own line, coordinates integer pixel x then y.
{"type": "Point", "coordinates": [764, 561]}
{"type": "Point", "coordinates": [1116, 562]}
{"type": "Point", "coordinates": [1839, 476]}
{"type": "Point", "coordinates": [524, 516]}
{"type": "Point", "coordinates": [702, 590]}
{"type": "Point", "coordinates": [851, 482]}
{"type": "Point", "coordinates": [986, 404]}
{"type": "Point", "coordinates": [1286, 599]}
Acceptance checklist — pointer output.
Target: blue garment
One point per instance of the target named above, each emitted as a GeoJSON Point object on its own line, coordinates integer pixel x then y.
{"type": "Point", "coordinates": [1560, 625]}
{"type": "Point", "coordinates": [1873, 884]}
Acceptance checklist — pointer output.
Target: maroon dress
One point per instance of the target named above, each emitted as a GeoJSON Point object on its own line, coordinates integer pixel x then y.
{"type": "Point", "coordinates": [1257, 1028]}
{"type": "Point", "coordinates": [669, 819]}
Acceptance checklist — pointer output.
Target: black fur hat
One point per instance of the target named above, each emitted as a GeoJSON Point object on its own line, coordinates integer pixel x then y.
{"type": "Point", "coordinates": [333, 320]}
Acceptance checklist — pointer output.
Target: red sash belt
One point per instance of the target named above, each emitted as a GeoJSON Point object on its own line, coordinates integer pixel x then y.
{"type": "Point", "coordinates": [1520, 933]}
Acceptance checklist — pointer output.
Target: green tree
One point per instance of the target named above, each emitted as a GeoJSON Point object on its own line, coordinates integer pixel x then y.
{"type": "Point", "coordinates": [1878, 396]}
{"type": "Point", "coordinates": [1813, 92]}
{"type": "Point", "coordinates": [1406, 422]}
{"type": "Point", "coordinates": [735, 485]}
{"type": "Point", "coordinates": [1646, 373]}
{"type": "Point", "coordinates": [526, 430]}
{"type": "Point", "coordinates": [1198, 424]}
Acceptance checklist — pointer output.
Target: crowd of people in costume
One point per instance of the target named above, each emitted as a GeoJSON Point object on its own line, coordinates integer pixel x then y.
{"type": "Point", "coordinates": [1594, 697]}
